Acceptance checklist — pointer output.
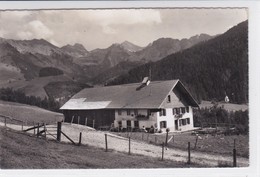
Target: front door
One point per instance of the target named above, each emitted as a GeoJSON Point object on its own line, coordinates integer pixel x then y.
{"type": "Point", "coordinates": [128, 125]}
{"type": "Point", "coordinates": [176, 125]}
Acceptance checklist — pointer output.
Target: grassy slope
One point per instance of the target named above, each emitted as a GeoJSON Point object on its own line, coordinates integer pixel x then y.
{"type": "Point", "coordinates": [35, 87]}
{"type": "Point", "coordinates": [9, 73]}
{"type": "Point", "coordinates": [28, 113]}
{"type": "Point", "coordinates": [20, 151]}
{"type": "Point", "coordinates": [211, 144]}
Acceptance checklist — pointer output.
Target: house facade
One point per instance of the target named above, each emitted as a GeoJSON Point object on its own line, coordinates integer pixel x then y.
{"type": "Point", "coordinates": [158, 104]}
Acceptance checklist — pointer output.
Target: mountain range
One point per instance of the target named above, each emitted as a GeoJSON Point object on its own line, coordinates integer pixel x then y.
{"type": "Point", "coordinates": [211, 66]}
{"type": "Point", "coordinates": [211, 69]}
{"type": "Point", "coordinates": [25, 64]}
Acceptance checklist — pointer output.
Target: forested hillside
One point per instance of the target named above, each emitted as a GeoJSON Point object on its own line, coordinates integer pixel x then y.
{"type": "Point", "coordinates": [210, 70]}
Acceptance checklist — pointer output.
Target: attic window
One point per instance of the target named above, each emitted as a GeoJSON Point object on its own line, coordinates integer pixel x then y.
{"type": "Point", "coordinates": [169, 99]}
{"type": "Point", "coordinates": [128, 112]}
{"type": "Point", "coordinates": [163, 112]}
{"type": "Point", "coordinates": [187, 109]}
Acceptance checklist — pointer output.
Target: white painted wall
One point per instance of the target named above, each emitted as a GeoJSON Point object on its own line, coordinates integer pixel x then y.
{"type": "Point", "coordinates": [155, 119]}
{"type": "Point", "coordinates": [132, 117]}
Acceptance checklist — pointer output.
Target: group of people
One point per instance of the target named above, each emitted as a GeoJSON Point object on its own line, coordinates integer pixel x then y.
{"type": "Point", "coordinates": [150, 130]}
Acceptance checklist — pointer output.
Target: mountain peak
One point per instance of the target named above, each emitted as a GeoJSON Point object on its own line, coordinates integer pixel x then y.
{"type": "Point", "coordinates": [130, 46]}
{"type": "Point", "coordinates": [76, 50]}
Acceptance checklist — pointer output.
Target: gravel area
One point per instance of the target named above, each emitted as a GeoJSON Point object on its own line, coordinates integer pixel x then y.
{"type": "Point", "coordinates": [121, 144]}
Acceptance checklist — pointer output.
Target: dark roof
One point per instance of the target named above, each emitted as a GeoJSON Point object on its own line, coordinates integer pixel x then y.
{"type": "Point", "coordinates": [126, 96]}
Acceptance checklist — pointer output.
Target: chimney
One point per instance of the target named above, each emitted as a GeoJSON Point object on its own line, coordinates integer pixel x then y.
{"type": "Point", "coordinates": [144, 83]}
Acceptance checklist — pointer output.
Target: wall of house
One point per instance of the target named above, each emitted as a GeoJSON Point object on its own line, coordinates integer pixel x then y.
{"type": "Point", "coordinates": [183, 116]}
{"type": "Point", "coordinates": [176, 101]}
{"type": "Point", "coordinates": [171, 117]}
{"type": "Point", "coordinates": [140, 116]}
{"type": "Point", "coordinates": [100, 117]}
{"type": "Point", "coordinates": [155, 119]}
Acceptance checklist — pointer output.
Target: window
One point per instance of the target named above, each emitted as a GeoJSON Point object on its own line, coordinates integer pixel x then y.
{"type": "Point", "coordinates": [183, 110]}
{"type": "Point", "coordinates": [128, 112]}
{"type": "Point", "coordinates": [136, 112]}
{"type": "Point", "coordinates": [119, 112]}
{"type": "Point", "coordinates": [149, 112]}
{"type": "Point", "coordinates": [169, 99]}
{"type": "Point", "coordinates": [188, 120]}
{"type": "Point", "coordinates": [119, 124]}
{"type": "Point", "coordinates": [128, 123]}
{"type": "Point", "coordinates": [180, 122]}
{"type": "Point", "coordinates": [173, 111]}
{"type": "Point", "coordinates": [183, 121]}
{"type": "Point", "coordinates": [163, 124]}
{"type": "Point", "coordinates": [187, 109]}
{"type": "Point", "coordinates": [177, 110]}
{"type": "Point", "coordinates": [163, 112]}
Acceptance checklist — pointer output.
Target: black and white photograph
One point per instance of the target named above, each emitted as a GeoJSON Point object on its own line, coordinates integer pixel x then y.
{"type": "Point", "coordinates": [125, 88]}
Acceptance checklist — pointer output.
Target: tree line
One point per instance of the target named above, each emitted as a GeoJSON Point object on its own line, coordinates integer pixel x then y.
{"type": "Point", "coordinates": [8, 94]}
{"type": "Point", "coordinates": [217, 116]}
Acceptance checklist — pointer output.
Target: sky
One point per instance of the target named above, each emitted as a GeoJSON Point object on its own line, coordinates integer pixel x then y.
{"type": "Point", "coordinates": [102, 27]}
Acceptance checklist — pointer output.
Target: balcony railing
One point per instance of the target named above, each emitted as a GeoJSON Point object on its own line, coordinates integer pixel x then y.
{"type": "Point", "coordinates": [178, 116]}
{"type": "Point", "coordinates": [140, 116]}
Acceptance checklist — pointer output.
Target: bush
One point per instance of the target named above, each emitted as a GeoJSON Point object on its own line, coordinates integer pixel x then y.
{"type": "Point", "coordinates": [50, 71]}
{"type": "Point", "coordinates": [215, 116]}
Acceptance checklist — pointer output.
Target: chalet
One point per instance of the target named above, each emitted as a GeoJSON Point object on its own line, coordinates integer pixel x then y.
{"type": "Point", "coordinates": [161, 104]}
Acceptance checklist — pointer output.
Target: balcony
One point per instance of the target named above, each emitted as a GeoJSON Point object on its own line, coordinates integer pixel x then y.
{"type": "Point", "coordinates": [178, 116]}
{"type": "Point", "coordinates": [142, 117]}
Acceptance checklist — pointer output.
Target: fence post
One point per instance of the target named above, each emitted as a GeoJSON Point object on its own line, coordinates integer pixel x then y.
{"type": "Point", "coordinates": [38, 129]}
{"type": "Point", "coordinates": [234, 143]}
{"type": "Point", "coordinates": [78, 120]}
{"type": "Point", "coordinates": [188, 152]}
{"type": "Point", "coordinates": [93, 123]}
{"type": "Point", "coordinates": [86, 121]}
{"type": "Point", "coordinates": [59, 131]}
{"type": "Point", "coordinates": [80, 134]}
{"type": "Point", "coordinates": [34, 127]}
{"type": "Point", "coordinates": [129, 147]}
{"type": "Point", "coordinates": [234, 157]}
{"type": "Point", "coordinates": [162, 150]}
{"type": "Point", "coordinates": [45, 130]}
{"type": "Point", "coordinates": [166, 140]}
{"type": "Point", "coordinates": [106, 141]}
{"type": "Point", "coordinates": [197, 136]}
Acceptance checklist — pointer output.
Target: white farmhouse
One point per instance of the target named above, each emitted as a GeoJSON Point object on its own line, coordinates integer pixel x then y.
{"type": "Point", "coordinates": [161, 104]}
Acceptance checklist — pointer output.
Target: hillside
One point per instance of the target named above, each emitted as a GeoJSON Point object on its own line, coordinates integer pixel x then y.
{"type": "Point", "coordinates": [28, 113]}
{"type": "Point", "coordinates": [28, 57]}
{"type": "Point", "coordinates": [16, 148]}
{"type": "Point", "coordinates": [165, 46]}
{"type": "Point", "coordinates": [210, 69]}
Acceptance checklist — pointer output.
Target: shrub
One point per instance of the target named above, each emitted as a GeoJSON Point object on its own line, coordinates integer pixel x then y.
{"type": "Point", "coordinates": [50, 71]}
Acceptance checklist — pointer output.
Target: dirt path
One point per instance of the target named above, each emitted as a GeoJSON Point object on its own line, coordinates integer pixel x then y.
{"type": "Point", "coordinates": [116, 143]}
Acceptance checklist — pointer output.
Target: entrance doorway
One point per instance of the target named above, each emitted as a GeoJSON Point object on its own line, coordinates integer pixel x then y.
{"type": "Point", "coordinates": [176, 125]}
